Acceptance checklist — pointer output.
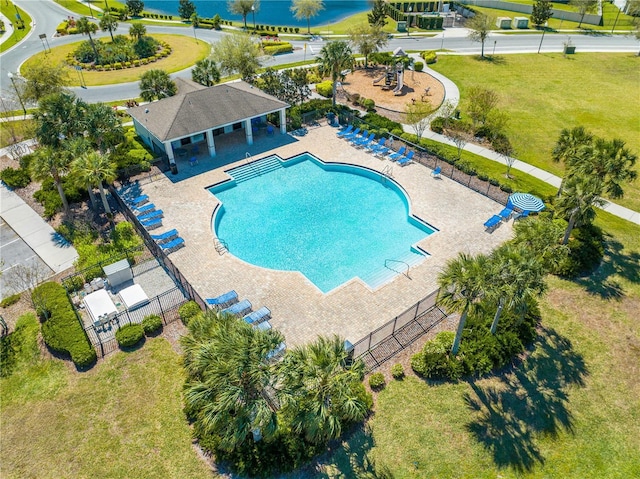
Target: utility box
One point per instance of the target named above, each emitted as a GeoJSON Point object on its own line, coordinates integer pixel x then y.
{"type": "Point", "coordinates": [520, 22]}
{"type": "Point", "coordinates": [503, 23]}
{"type": "Point", "coordinates": [118, 273]}
{"type": "Point", "coordinates": [402, 26]}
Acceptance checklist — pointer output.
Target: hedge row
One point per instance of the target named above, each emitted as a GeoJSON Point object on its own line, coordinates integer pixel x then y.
{"type": "Point", "coordinates": [276, 48]}
{"type": "Point", "coordinates": [61, 330]}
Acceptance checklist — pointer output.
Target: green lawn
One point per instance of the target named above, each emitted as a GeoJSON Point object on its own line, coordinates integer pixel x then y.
{"type": "Point", "coordinates": [123, 418]}
{"type": "Point", "coordinates": [8, 9]}
{"type": "Point", "coordinates": [540, 94]}
{"type": "Point", "coordinates": [20, 130]}
{"type": "Point", "coordinates": [570, 410]}
{"type": "Point", "coordinates": [185, 52]}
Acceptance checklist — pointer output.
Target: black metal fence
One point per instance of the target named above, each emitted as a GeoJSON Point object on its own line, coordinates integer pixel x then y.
{"type": "Point", "coordinates": [159, 254]}
{"type": "Point", "coordinates": [391, 338]}
{"type": "Point", "coordinates": [165, 305]}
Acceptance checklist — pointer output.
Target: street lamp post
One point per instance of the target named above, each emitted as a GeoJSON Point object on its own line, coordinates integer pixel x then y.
{"type": "Point", "coordinates": [616, 21]}
{"type": "Point", "coordinates": [409, 21]}
{"type": "Point", "coordinates": [543, 32]}
{"type": "Point", "coordinates": [13, 82]}
{"type": "Point", "coordinates": [90, 9]}
{"type": "Point", "coordinates": [253, 14]}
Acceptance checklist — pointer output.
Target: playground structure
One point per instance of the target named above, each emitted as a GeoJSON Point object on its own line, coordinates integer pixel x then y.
{"type": "Point", "coordinates": [391, 76]}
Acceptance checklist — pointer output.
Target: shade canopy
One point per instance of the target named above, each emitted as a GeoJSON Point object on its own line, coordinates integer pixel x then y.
{"type": "Point", "coordinates": [526, 202]}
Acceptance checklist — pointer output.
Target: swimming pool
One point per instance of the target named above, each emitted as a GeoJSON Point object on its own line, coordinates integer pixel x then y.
{"type": "Point", "coordinates": [332, 222]}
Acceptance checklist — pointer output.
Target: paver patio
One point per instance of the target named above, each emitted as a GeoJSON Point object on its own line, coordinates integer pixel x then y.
{"type": "Point", "coordinates": [300, 310]}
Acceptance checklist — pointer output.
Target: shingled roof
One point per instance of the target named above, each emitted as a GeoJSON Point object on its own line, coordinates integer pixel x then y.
{"type": "Point", "coordinates": [199, 110]}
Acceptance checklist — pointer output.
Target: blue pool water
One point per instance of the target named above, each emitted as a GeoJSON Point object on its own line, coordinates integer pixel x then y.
{"type": "Point", "coordinates": [330, 222]}
{"type": "Point", "coordinates": [271, 12]}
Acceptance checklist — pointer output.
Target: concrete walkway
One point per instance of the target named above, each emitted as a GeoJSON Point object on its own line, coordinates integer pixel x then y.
{"type": "Point", "coordinates": [452, 95]}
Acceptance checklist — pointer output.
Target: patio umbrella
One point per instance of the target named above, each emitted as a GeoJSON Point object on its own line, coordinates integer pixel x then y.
{"type": "Point", "coordinates": [526, 202]}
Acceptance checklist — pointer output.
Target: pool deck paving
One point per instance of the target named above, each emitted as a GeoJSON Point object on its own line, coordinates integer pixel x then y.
{"type": "Point", "coordinates": [299, 309]}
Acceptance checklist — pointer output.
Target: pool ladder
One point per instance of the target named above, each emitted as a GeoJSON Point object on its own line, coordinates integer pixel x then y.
{"type": "Point", "coordinates": [387, 173]}
{"type": "Point", "coordinates": [221, 246]}
{"type": "Point", "coordinates": [404, 263]}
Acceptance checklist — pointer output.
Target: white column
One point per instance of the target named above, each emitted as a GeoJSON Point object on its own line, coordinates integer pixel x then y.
{"type": "Point", "coordinates": [248, 131]}
{"type": "Point", "coordinates": [169, 151]}
{"type": "Point", "coordinates": [283, 121]}
{"type": "Point", "coordinates": [211, 144]}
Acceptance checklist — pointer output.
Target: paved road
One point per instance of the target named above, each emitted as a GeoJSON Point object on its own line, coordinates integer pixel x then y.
{"type": "Point", "coordinates": [47, 15]}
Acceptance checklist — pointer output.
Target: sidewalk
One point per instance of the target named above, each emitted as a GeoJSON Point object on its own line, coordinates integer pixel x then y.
{"type": "Point", "coordinates": [452, 94]}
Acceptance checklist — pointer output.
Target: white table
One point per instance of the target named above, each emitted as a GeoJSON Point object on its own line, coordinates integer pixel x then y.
{"type": "Point", "coordinates": [134, 296]}
{"type": "Point", "coordinates": [100, 307]}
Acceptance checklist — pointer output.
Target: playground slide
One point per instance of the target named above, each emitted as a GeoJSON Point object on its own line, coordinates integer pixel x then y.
{"type": "Point", "coordinates": [398, 89]}
{"type": "Point", "coordinates": [379, 79]}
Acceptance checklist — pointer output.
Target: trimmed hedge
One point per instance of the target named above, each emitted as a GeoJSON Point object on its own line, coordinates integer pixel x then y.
{"type": "Point", "coordinates": [418, 66]}
{"type": "Point", "coordinates": [429, 56]}
{"type": "Point", "coordinates": [325, 88]}
{"type": "Point", "coordinates": [188, 310]}
{"type": "Point", "coordinates": [9, 300]}
{"type": "Point", "coordinates": [61, 329]}
{"type": "Point", "coordinates": [276, 48]}
{"type": "Point", "coordinates": [129, 335]}
{"type": "Point", "coordinates": [151, 324]}
{"type": "Point", "coordinates": [376, 381]}
{"type": "Point", "coordinates": [397, 371]}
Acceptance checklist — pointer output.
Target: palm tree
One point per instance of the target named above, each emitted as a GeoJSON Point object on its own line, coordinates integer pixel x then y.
{"type": "Point", "coordinates": [103, 127]}
{"type": "Point", "coordinates": [156, 84]}
{"type": "Point", "coordinates": [243, 7]}
{"type": "Point", "coordinates": [137, 31]}
{"type": "Point", "coordinates": [320, 389]}
{"type": "Point", "coordinates": [84, 26]}
{"type": "Point", "coordinates": [306, 9]}
{"type": "Point", "coordinates": [59, 116]}
{"type": "Point", "coordinates": [542, 237]}
{"type": "Point", "coordinates": [231, 382]}
{"type": "Point", "coordinates": [335, 57]}
{"type": "Point", "coordinates": [206, 72]}
{"type": "Point", "coordinates": [516, 276]}
{"type": "Point", "coordinates": [49, 162]}
{"type": "Point", "coordinates": [94, 168]}
{"type": "Point", "coordinates": [576, 203]}
{"type": "Point", "coordinates": [569, 145]}
{"type": "Point", "coordinates": [462, 283]}
{"type": "Point", "coordinates": [108, 23]}
{"type": "Point", "coordinates": [75, 148]}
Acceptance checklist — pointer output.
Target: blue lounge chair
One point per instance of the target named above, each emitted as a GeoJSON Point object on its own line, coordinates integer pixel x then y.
{"type": "Point", "coordinates": [139, 201]}
{"type": "Point", "coordinates": [399, 154]}
{"type": "Point", "coordinates": [505, 214]}
{"type": "Point", "coordinates": [519, 216]}
{"type": "Point", "coordinates": [150, 216]}
{"type": "Point", "coordinates": [147, 208]}
{"type": "Point", "coordinates": [258, 316]}
{"type": "Point", "coordinates": [165, 237]}
{"type": "Point", "coordinates": [152, 224]}
{"type": "Point", "coordinates": [492, 222]}
{"type": "Point", "coordinates": [436, 173]}
{"type": "Point", "coordinates": [173, 245]}
{"type": "Point", "coordinates": [374, 146]}
{"type": "Point", "coordinates": [238, 309]}
{"type": "Point", "coordinates": [223, 300]}
{"type": "Point", "coordinates": [353, 134]}
{"type": "Point", "coordinates": [345, 131]}
{"type": "Point", "coordinates": [263, 326]}
{"type": "Point", "coordinates": [357, 138]}
{"type": "Point", "coordinates": [277, 351]}
{"type": "Point", "coordinates": [366, 142]}
{"type": "Point", "coordinates": [404, 161]}
{"type": "Point", "coordinates": [381, 152]}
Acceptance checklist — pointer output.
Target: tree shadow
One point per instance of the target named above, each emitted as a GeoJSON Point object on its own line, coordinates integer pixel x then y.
{"type": "Point", "coordinates": [352, 459]}
{"type": "Point", "coordinates": [614, 263]}
{"type": "Point", "coordinates": [528, 401]}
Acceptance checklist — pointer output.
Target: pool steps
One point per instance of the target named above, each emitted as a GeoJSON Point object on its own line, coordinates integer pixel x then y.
{"type": "Point", "coordinates": [255, 169]}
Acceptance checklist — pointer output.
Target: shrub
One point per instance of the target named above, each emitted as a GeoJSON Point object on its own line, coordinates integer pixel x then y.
{"type": "Point", "coordinates": [276, 48]}
{"type": "Point", "coordinates": [9, 300]}
{"type": "Point", "coordinates": [62, 28]}
{"type": "Point", "coordinates": [72, 31]}
{"type": "Point", "coordinates": [435, 360]}
{"type": "Point", "coordinates": [130, 335]}
{"type": "Point", "coordinates": [586, 249]}
{"type": "Point", "coordinates": [429, 56]}
{"type": "Point", "coordinates": [376, 381]}
{"type": "Point", "coordinates": [325, 88]}
{"type": "Point", "coordinates": [379, 121]}
{"type": "Point", "coordinates": [418, 66]}
{"type": "Point", "coordinates": [397, 371]}
{"type": "Point", "coordinates": [15, 177]}
{"type": "Point", "coordinates": [61, 329]}
{"type": "Point", "coordinates": [151, 324]}
{"type": "Point", "coordinates": [437, 124]}
{"type": "Point", "coordinates": [188, 310]}
{"type": "Point", "coordinates": [368, 103]}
